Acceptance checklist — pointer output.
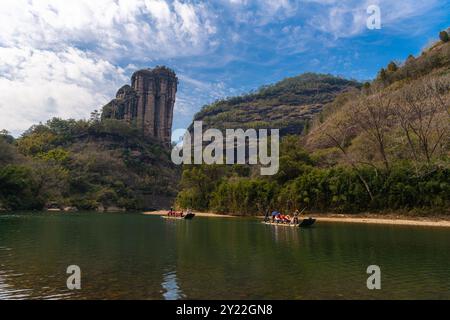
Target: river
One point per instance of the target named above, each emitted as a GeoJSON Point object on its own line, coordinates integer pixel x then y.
{"type": "Point", "coordinates": [133, 256]}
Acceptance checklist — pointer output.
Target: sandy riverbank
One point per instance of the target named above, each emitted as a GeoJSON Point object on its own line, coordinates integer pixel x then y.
{"type": "Point", "coordinates": [386, 220]}
{"type": "Point", "coordinates": [361, 218]}
{"type": "Point", "coordinates": [198, 214]}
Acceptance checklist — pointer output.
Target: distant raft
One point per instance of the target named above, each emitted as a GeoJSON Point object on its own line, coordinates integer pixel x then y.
{"type": "Point", "coordinates": [306, 223]}
{"type": "Point", "coordinates": [188, 216]}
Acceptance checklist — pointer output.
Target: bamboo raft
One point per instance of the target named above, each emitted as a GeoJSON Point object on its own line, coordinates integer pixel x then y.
{"type": "Point", "coordinates": [186, 217]}
{"type": "Point", "coordinates": [304, 224]}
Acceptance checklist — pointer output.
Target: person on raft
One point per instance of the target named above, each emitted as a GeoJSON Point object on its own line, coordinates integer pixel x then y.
{"type": "Point", "coordinates": [296, 216]}
{"type": "Point", "coordinates": [277, 217]}
{"type": "Point", "coordinates": [173, 213]}
{"type": "Point", "coordinates": [266, 216]}
{"type": "Point", "coordinates": [274, 216]}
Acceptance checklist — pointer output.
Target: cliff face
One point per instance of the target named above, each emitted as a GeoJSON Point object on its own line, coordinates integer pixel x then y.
{"type": "Point", "coordinates": [148, 102]}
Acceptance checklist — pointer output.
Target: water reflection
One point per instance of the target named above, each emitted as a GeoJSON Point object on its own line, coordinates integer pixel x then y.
{"type": "Point", "coordinates": [283, 234]}
{"type": "Point", "coordinates": [7, 290]}
{"type": "Point", "coordinates": [170, 285]}
{"type": "Point", "coordinates": [140, 257]}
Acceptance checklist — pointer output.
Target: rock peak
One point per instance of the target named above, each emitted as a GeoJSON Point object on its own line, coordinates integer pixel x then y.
{"type": "Point", "coordinates": [148, 102]}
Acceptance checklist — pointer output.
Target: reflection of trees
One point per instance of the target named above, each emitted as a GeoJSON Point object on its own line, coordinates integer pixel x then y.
{"type": "Point", "coordinates": [120, 256]}
{"type": "Point", "coordinates": [134, 256]}
{"type": "Point", "coordinates": [242, 259]}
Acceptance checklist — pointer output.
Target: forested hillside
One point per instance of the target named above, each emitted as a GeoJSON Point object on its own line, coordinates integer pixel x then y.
{"type": "Point", "coordinates": [85, 165]}
{"type": "Point", "coordinates": [382, 147]}
{"type": "Point", "coordinates": [288, 105]}
{"type": "Point", "coordinates": [347, 147]}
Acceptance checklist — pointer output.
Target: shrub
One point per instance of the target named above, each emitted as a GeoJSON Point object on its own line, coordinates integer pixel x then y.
{"type": "Point", "coordinates": [18, 190]}
{"type": "Point", "coordinates": [443, 35]}
{"type": "Point", "coordinates": [392, 67]}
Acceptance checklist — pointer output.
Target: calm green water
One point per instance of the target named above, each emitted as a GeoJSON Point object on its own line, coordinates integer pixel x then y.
{"type": "Point", "coordinates": [132, 256]}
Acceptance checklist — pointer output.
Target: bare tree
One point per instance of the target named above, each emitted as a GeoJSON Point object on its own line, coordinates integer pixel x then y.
{"type": "Point", "coordinates": [343, 132]}
{"type": "Point", "coordinates": [403, 116]}
{"type": "Point", "coordinates": [423, 114]}
{"type": "Point", "coordinates": [373, 115]}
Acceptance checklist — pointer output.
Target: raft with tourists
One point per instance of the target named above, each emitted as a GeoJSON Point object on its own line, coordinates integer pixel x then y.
{"type": "Point", "coordinates": [278, 219]}
{"type": "Point", "coordinates": [174, 215]}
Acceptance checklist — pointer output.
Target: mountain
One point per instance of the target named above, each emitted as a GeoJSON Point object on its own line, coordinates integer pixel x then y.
{"type": "Point", "coordinates": [117, 160]}
{"type": "Point", "coordinates": [288, 104]}
{"type": "Point", "coordinates": [148, 103]}
{"type": "Point", "coordinates": [408, 102]}
{"type": "Point", "coordinates": [378, 147]}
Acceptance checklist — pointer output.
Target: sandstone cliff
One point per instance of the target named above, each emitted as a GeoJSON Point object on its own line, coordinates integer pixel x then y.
{"type": "Point", "coordinates": [148, 102]}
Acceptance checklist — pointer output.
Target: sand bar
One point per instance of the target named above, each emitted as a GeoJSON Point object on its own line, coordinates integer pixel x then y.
{"type": "Point", "coordinates": [198, 214]}
{"type": "Point", "coordinates": [366, 218]}
{"type": "Point", "coordinates": [404, 221]}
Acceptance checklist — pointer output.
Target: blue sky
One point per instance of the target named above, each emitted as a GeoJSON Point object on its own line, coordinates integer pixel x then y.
{"type": "Point", "coordinates": [65, 59]}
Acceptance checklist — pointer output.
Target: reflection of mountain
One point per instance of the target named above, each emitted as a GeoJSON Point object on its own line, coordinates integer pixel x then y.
{"type": "Point", "coordinates": [120, 256]}
{"type": "Point", "coordinates": [140, 257]}
{"type": "Point", "coordinates": [242, 259]}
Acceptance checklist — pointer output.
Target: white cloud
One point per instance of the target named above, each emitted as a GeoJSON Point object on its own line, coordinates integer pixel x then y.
{"type": "Point", "coordinates": [260, 12]}
{"type": "Point", "coordinates": [148, 28]}
{"type": "Point", "coordinates": [348, 18]}
{"type": "Point", "coordinates": [59, 58]}
{"type": "Point", "coordinates": [193, 93]}
{"type": "Point", "coordinates": [38, 84]}
{"type": "Point", "coordinates": [341, 18]}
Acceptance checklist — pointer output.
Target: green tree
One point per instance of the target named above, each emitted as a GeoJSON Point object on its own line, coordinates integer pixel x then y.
{"type": "Point", "coordinates": [37, 142]}
{"type": "Point", "coordinates": [443, 35]}
{"type": "Point", "coordinates": [18, 190]}
{"type": "Point", "coordinates": [8, 152]}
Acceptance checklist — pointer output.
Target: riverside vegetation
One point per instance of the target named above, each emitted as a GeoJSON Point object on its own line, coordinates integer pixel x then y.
{"type": "Point", "coordinates": [381, 146]}
{"type": "Point", "coordinates": [346, 147]}
{"type": "Point", "coordinates": [85, 164]}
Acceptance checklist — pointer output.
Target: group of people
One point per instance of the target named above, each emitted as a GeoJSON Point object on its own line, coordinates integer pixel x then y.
{"type": "Point", "coordinates": [173, 213]}
{"type": "Point", "coordinates": [278, 217]}
{"type": "Point", "coordinates": [180, 214]}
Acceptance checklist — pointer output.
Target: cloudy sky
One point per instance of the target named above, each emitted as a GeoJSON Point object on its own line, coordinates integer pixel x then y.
{"type": "Point", "coordinates": [66, 58]}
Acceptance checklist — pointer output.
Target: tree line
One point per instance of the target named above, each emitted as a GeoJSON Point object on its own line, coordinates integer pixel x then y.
{"type": "Point", "coordinates": [385, 148]}
{"type": "Point", "coordinates": [84, 165]}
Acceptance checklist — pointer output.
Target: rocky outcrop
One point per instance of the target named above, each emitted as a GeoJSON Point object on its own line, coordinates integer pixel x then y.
{"type": "Point", "coordinates": [148, 102]}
